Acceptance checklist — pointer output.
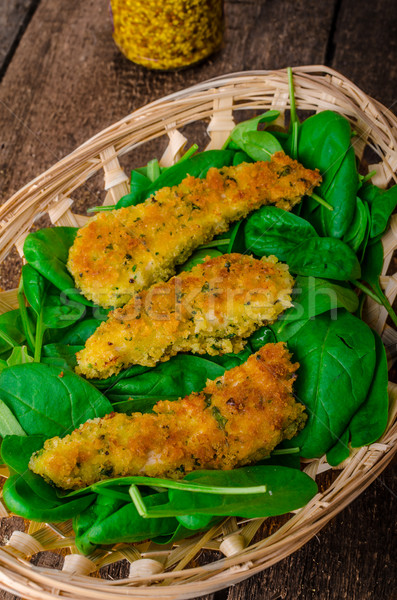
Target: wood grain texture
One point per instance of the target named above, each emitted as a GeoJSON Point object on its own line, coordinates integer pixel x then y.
{"type": "Point", "coordinates": [14, 14]}
{"type": "Point", "coordinates": [365, 47]}
{"type": "Point", "coordinates": [67, 81]}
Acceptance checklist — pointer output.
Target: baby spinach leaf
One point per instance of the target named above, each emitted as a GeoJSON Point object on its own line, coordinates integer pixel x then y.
{"type": "Point", "coordinates": [47, 401]}
{"type": "Point", "coordinates": [47, 301]}
{"type": "Point", "coordinates": [230, 360]}
{"type": "Point", "coordinates": [79, 333]}
{"type": "Point", "coordinates": [171, 380]}
{"type": "Point", "coordinates": [271, 230]}
{"type": "Point", "coordinates": [96, 512]}
{"type": "Point", "coordinates": [337, 361]}
{"type": "Point", "coordinates": [237, 238]}
{"type": "Point", "coordinates": [382, 204]}
{"type": "Point", "coordinates": [286, 490]}
{"type": "Point", "coordinates": [196, 522]}
{"type": "Point", "coordinates": [11, 326]}
{"type": "Point", "coordinates": [372, 264]}
{"type": "Point", "coordinates": [340, 451]}
{"type": "Point", "coordinates": [9, 425]}
{"type": "Point", "coordinates": [241, 157]}
{"type": "Point", "coordinates": [341, 195]}
{"type": "Point", "coordinates": [263, 335]}
{"type": "Point", "coordinates": [60, 355]}
{"type": "Point", "coordinates": [127, 525]}
{"type": "Point", "coordinates": [239, 133]}
{"type": "Point", "coordinates": [47, 250]}
{"type": "Point", "coordinates": [16, 450]}
{"type": "Point", "coordinates": [329, 258]}
{"type": "Point", "coordinates": [356, 234]}
{"type": "Point", "coordinates": [197, 166]}
{"type": "Point", "coordinates": [369, 422]}
{"type": "Point", "coordinates": [107, 384]}
{"type": "Point", "coordinates": [313, 296]}
{"type": "Point", "coordinates": [198, 257]}
{"type": "Point", "coordinates": [371, 269]}
{"type": "Point", "coordinates": [260, 145]}
{"type": "Point", "coordinates": [21, 500]}
{"type": "Point", "coordinates": [19, 356]}
{"type": "Point", "coordinates": [323, 142]}
{"type": "Point", "coordinates": [139, 184]}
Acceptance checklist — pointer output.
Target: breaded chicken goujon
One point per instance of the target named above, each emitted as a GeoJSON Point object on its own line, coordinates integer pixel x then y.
{"type": "Point", "coordinates": [208, 310]}
{"type": "Point", "coordinates": [237, 419]}
{"type": "Point", "coordinates": [121, 252]}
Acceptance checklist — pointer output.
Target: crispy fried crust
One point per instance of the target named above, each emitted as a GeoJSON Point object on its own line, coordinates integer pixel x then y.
{"type": "Point", "coordinates": [237, 419]}
{"type": "Point", "coordinates": [124, 251]}
{"type": "Point", "coordinates": [210, 309]}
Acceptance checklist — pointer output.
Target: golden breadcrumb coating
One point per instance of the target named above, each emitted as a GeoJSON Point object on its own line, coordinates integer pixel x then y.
{"type": "Point", "coordinates": [237, 419]}
{"type": "Point", "coordinates": [124, 251]}
{"type": "Point", "coordinates": [210, 309]}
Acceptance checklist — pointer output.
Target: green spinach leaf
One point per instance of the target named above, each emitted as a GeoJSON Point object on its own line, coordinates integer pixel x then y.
{"type": "Point", "coordinates": [329, 258]}
{"type": "Point", "coordinates": [47, 250]}
{"type": "Point", "coordinates": [382, 204]}
{"type": "Point", "coordinates": [47, 401]}
{"type": "Point", "coordinates": [285, 490]}
{"type": "Point", "coordinates": [197, 166]}
{"type": "Point", "coordinates": [171, 380]}
{"type": "Point", "coordinates": [271, 230]}
{"type": "Point", "coordinates": [337, 361]}
{"type": "Point", "coordinates": [341, 195]}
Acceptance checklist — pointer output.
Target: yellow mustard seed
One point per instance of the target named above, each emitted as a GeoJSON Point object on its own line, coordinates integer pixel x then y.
{"type": "Point", "coordinates": [168, 34]}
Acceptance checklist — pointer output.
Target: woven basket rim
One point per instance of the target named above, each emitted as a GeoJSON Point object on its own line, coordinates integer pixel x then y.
{"type": "Point", "coordinates": [215, 98]}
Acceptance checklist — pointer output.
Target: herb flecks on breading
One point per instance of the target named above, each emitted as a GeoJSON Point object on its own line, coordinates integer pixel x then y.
{"type": "Point", "coordinates": [208, 310]}
{"type": "Point", "coordinates": [124, 251]}
{"type": "Point", "coordinates": [237, 419]}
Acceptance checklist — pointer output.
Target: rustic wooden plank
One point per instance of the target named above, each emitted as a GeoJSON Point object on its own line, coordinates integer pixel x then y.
{"type": "Point", "coordinates": [351, 558]}
{"type": "Point", "coordinates": [365, 43]}
{"type": "Point", "coordinates": [67, 81]}
{"type": "Point", "coordinates": [14, 16]}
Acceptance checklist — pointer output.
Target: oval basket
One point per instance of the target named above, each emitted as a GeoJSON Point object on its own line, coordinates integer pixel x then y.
{"type": "Point", "coordinates": [167, 572]}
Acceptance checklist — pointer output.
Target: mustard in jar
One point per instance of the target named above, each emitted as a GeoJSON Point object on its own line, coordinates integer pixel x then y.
{"type": "Point", "coordinates": [168, 34]}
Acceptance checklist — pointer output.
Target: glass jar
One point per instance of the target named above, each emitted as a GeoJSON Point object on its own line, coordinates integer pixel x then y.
{"type": "Point", "coordinates": [168, 34]}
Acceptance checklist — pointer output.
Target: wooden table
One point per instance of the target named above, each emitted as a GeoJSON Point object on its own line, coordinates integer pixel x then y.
{"type": "Point", "coordinates": [63, 80]}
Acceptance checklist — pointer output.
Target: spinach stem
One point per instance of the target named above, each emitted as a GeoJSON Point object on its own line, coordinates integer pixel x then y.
{"type": "Point", "coordinates": [188, 153]}
{"type": "Point", "coordinates": [294, 146]}
{"type": "Point", "coordinates": [101, 208]}
{"type": "Point", "coordinates": [138, 500]}
{"type": "Point", "coordinates": [282, 451]}
{"type": "Point", "coordinates": [190, 486]}
{"type": "Point", "coordinates": [153, 170]}
{"type": "Point", "coordinates": [388, 307]}
{"type": "Point", "coordinates": [25, 317]}
{"type": "Point", "coordinates": [378, 297]}
{"type": "Point", "coordinates": [111, 493]}
{"type": "Point", "coordinates": [214, 243]}
{"type": "Point", "coordinates": [225, 145]}
{"type": "Point", "coordinates": [294, 116]}
{"type": "Point", "coordinates": [321, 201]}
{"type": "Point", "coordinates": [366, 290]}
{"type": "Point", "coordinates": [39, 338]}
{"type": "Point", "coordinates": [368, 176]}
{"type": "Point", "coordinates": [8, 339]}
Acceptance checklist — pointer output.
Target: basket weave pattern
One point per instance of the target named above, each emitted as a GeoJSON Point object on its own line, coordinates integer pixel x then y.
{"type": "Point", "coordinates": [216, 102]}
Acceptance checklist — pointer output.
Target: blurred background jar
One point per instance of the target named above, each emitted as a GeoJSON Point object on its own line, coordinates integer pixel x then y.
{"type": "Point", "coordinates": [167, 34]}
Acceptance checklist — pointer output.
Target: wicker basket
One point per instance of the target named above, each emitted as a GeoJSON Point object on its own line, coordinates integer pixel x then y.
{"type": "Point", "coordinates": [160, 572]}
